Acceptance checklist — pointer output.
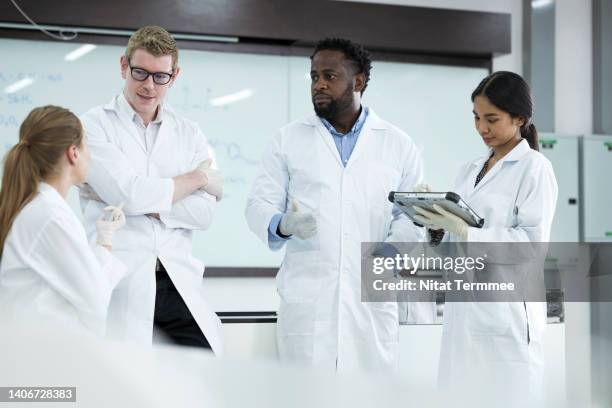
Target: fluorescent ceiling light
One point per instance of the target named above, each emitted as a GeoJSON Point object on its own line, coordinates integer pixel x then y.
{"type": "Point", "coordinates": [79, 52]}
{"type": "Point", "coordinates": [541, 3]}
{"type": "Point", "coordinates": [124, 33]}
{"type": "Point", "coordinates": [231, 98]}
{"type": "Point", "coordinates": [22, 83]}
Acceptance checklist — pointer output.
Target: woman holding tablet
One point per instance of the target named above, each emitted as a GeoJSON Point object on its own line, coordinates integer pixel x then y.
{"type": "Point", "coordinates": [47, 269]}
{"type": "Point", "coordinates": [514, 189]}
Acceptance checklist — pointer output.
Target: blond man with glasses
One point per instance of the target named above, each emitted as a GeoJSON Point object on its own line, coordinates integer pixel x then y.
{"type": "Point", "coordinates": [156, 162]}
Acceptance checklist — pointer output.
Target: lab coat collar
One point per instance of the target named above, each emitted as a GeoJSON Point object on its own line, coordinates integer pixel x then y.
{"type": "Point", "coordinates": [165, 115]}
{"type": "Point", "coordinates": [126, 116]}
{"type": "Point", "coordinates": [50, 192]}
{"type": "Point", "coordinates": [123, 105]}
{"type": "Point", "coordinates": [519, 151]}
{"type": "Point", "coordinates": [515, 154]}
{"type": "Point", "coordinates": [357, 126]}
{"type": "Point", "coordinates": [372, 125]}
{"type": "Point", "coordinates": [372, 121]}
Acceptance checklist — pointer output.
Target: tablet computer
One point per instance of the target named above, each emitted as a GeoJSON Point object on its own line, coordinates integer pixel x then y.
{"type": "Point", "coordinates": [450, 201]}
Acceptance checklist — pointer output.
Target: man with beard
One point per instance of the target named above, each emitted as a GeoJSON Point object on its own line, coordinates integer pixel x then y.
{"type": "Point", "coordinates": [322, 191]}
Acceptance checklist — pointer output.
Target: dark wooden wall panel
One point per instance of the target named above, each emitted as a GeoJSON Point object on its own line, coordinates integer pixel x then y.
{"type": "Point", "coordinates": [285, 22]}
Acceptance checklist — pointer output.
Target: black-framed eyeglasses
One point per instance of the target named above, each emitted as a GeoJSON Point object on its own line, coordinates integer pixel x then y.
{"type": "Point", "coordinates": [160, 78]}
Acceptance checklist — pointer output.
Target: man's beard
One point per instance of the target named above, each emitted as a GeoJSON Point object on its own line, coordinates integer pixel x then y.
{"type": "Point", "coordinates": [331, 110]}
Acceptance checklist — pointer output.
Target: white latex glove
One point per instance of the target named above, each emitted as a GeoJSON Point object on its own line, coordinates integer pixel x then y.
{"type": "Point", "coordinates": [215, 179]}
{"type": "Point", "coordinates": [111, 221]}
{"type": "Point", "coordinates": [301, 224]}
{"type": "Point", "coordinates": [442, 220]}
{"type": "Point", "coordinates": [422, 188]}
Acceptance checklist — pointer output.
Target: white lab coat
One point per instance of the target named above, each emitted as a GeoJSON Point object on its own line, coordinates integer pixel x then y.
{"type": "Point", "coordinates": [48, 271]}
{"type": "Point", "coordinates": [501, 343]}
{"type": "Point", "coordinates": [322, 320]}
{"type": "Point", "coordinates": [123, 171]}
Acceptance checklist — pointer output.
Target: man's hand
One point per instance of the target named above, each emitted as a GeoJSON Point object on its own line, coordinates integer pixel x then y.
{"type": "Point", "coordinates": [214, 179]}
{"type": "Point", "coordinates": [186, 184]}
{"type": "Point", "coordinates": [301, 224]}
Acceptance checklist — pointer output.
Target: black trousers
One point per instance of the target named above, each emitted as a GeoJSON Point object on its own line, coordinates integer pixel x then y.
{"type": "Point", "coordinates": [172, 319]}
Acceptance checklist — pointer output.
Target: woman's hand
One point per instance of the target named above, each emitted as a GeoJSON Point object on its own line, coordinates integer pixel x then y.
{"type": "Point", "coordinates": [108, 224]}
{"type": "Point", "coordinates": [442, 220]}
{"type": "Point", "coordinates": [422, 188]}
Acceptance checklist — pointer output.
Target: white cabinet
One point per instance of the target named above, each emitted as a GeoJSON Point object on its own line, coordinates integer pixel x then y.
{"type": "Point", "coordinates": [563, 153]}
{"type": "Point", "coordinates": [597, 188]}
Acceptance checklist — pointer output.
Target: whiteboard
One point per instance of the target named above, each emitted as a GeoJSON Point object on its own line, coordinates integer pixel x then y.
{"type": "Point", "coordinates": [262, 93]}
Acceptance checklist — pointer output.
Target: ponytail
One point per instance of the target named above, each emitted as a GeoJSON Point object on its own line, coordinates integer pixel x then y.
{"type": "Point", "coordinates": [19, 185]}
{"type": "Point", "coordinates": [44, 137]}
{"type": "Point", "coordinates": [530, 133]}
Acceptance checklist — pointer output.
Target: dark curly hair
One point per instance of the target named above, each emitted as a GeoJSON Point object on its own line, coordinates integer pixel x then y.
{"type": "Point", "coordinates": [354, 53]}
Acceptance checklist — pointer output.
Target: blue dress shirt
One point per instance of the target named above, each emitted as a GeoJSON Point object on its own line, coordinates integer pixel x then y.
{"type": "Point", "coordinates": [345, 143]}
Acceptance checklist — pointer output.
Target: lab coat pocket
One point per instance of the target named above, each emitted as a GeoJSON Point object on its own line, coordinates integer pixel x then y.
{"type": "Point", "coordinates": [385, 320]}
{"type": "Point", "coordinates": [300, 272]}
{"type": "Point", "coordinates": [298, 284]}
{"type": "Point", "coordinates": [380, 221]}
{"type": "Point", "coordinates": [488, 318]}
{"type": "Point", "coordinates": [297, 310]}
{"type": "Point", "coordinates": [297, 314]}
{"type": "Point", "coordinates": [382, 178]}
{"type": "Point", "coordinates": [498, 210]}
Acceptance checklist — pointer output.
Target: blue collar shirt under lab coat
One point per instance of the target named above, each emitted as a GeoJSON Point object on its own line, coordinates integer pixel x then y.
{"type": "Point", "coordinates": [345, 143]}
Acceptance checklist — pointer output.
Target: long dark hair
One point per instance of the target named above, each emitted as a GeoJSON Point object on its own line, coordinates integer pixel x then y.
{"type": "Point", "coordinates": [509, 92]}
{"type": "Point", "coordinates": [43, 137]}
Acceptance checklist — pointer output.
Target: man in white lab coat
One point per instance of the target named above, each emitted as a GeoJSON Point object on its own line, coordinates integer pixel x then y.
{"type": "Point", "coordinates": [156, 162]}
{"type": "Point", "coordinates": [322, 191]}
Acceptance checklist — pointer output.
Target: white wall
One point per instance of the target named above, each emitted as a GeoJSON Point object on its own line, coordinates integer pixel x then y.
{"type": "Point", "coordinates": [573, 59]}
{"type": "Point", "coordinates": [574, 115]}
{"type": "Point", "coordinates": [573, 67]}
{"type": "Point", "coordinates": [510, 62]}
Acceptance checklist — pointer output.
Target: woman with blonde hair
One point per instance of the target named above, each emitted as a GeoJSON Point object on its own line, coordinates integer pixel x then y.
{"type": "Point", "coordinates": [47, 269]}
